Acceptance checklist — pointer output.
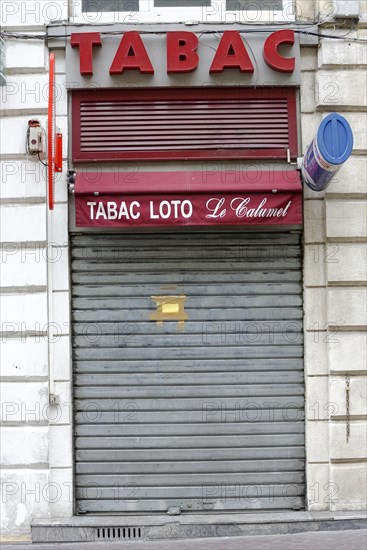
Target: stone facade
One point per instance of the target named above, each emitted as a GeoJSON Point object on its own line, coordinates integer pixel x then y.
{"type": "Point", "coordinates": [36, 450]}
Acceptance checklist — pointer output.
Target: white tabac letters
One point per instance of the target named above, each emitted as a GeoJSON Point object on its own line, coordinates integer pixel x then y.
{"type": "Point", "coordinates": [173, 209]}
{"type": "Point", "coordinates": [240, 206]}
{"type": "Point", "coordinates": [113, 211]}
{"type": "Point", "coordinates": [214, 208]}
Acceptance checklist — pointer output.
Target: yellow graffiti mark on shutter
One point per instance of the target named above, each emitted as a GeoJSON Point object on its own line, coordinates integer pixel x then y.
{"type": "Point", "coordinates": [169, 308]}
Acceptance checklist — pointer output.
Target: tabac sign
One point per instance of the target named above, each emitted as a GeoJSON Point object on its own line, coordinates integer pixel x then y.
{"type": "Point", "coordinates": [182, 58]}
{"type": "Point", "coordinates": [190, 198]}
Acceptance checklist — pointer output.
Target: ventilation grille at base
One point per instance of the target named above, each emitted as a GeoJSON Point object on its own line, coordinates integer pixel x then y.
{"type": "Point", "coordinates": [123, 533]}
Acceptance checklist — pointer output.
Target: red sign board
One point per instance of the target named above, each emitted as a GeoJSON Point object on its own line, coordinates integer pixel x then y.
{"type": "Point", "coordinates": [153, 199]}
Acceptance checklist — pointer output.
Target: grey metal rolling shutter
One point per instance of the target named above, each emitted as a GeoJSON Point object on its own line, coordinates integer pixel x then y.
{"type": "Point", "coordinates": [205, 416]}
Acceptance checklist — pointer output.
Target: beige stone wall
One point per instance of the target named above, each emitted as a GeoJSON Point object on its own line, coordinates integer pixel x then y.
{"type": "Point", "coordinates": [335, 278]}
{"type": "Point", "coordinates": [36, 438]}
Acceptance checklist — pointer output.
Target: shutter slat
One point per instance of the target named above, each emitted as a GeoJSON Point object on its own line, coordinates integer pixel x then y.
{"type": "Point", "coordinates": [142, 120]}
{"type": "Point", "coordinates": [88, 132]}
{"type": "Point", "coordinates": [171, 145]}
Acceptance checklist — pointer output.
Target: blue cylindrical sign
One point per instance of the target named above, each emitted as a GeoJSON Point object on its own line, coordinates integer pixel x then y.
{"type": "Point", "coordinates": [330, 148]}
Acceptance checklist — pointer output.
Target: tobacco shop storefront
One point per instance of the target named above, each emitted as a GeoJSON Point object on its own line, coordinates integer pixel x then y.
{"type": "Point", "coordinates": [185, 227]}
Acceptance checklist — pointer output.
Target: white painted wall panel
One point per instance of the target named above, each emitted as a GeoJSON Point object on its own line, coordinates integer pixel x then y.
{"type": "Point", "coordinates": [61, 312]}
{"type": "Point", "coordinates": [351, 178]}
{"type": "Point", "coordinates": [347, 345]}
{"type": "Point", "coordinates": [24, 496]}
{"type": "Point", "coordinates": [22, 179]}
{"type": "Point", "coordinates": [61, 96]}
{"type": "Point", "coordinates": [318, 441]}
{"type": "Point", "coordinates": [318, 479]}
{"type": "Point", "coordinates": [347, 306]}
{"type": "Point", "coordinates": [363, 10]}
{"type": "Point", "coordinates": [351, 486]}
{"type": "Point", "coordinates": [61, 446]}
{"type": "Point", "coordinates": [60, 268]}
{"type": "Point", "coordinates": [358, 121]}
{"type": "Point", "coordinates": [315, 304]}
{"type": "Point", "coordinates": [333, 88]}
{"type": "Point", "coordinates": [24, 358]}
{"type": "Point", "coordinates": [60, 65]}
{"type": "Point", "coordinates": [308, 59]}
{"type": "Point", "coordinates": [62, 358]}
{"type": "Point", "coordinates": [23, 223]}
{"type": "Point", "coordinates": [35, 60]}
{"type": "Point", "coordinates": [25, 402]}
{"type": "Point", "coordinates": [316, 353]}
{"type": "Point", "coordinates": [357, 396]}
{"type": "Point", "coordinates": [62, 503]}
{"type": "Point", "coordinates": [314, 221]}
{"type": "Point", "coordinates": [355, 448]}
{"type": "Point", "coordinates": [349, 263]}
{"type": "Point", "coordinates": [23, 265]}
{"type": "Point", "coordinates": [346, 218]}
{"type": "Point", "coordinates": [26, 91]}
{"type": "Point", "coordinates": [60, 225]}
{"type": "Point", "coordinates": [308, 95]}
{"type": "Point", "coordinates": [63, 414]}
{"type": "Point", "coordinates": [315, 258]}
{"type": "Point", "coordinates": [24, 446]}
{"type": "Point", "coordinates": [334, 53]}
{"type": "Point", "coordinates": [13, 133]}
{"type": "Point", "coordinates": [26, 312]}
{"type": "Point", "coordinates": [317, 399]}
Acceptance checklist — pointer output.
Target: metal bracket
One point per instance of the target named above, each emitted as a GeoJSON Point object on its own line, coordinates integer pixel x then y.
{"type": "Point", "coordinates": [174, 510]}
{"type": "Point", "coordinates": [71, 180]}
{"type": "Point", "coordinates": [54, 399]}
{"type": "Point", "coordinates": [289, 159]}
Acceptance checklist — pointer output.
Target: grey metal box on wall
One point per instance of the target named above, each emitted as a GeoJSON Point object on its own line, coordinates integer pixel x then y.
{"type": "Point", "coordinates": [346, 8]}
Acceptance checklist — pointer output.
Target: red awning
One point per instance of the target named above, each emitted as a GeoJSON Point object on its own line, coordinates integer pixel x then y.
{"type": "Point", "coordinates": [194, 198]}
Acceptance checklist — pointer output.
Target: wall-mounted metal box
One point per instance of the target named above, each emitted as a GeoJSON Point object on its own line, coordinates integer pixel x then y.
{"type": "Point", "coordinates": [346, 8]}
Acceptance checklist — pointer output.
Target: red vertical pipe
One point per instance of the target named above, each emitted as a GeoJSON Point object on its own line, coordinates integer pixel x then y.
{"type": "Point", "coordinates": [50, 132]}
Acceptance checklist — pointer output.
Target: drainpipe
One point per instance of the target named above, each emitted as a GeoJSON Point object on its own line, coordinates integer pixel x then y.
{"type": "Point", "coordinates": [2, 62]}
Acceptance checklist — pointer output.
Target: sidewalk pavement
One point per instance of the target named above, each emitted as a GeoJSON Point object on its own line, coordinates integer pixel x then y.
{"type": "Point", "coordinates": [355, 539]}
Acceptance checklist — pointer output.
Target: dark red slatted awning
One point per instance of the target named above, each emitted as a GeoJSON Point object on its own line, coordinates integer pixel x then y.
{"type": "Point", "coordinates": [203, 123]}
{"type": "Point", "coordinates": [191, 198]}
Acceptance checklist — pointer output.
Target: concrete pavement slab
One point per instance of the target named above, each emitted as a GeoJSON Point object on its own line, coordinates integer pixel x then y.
{"type": "Point", "coordinates": [321, 540]}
